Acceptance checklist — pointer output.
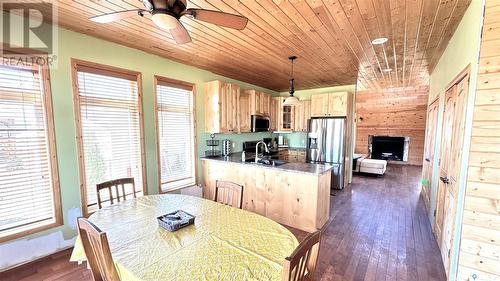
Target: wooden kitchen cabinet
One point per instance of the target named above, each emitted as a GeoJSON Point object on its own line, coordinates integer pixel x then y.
{"type": "Point", "coordinates": [292, 155]}
{"type": "Point", "coordinates": [245, 112]}
{"type": "Point", "coordinates": [221, 107]}
{"type": "Point", "coordinates": [273, 113]}
{"type": "Point", "coordinates": [302, 115]}
{"type": "Point", "coordinates": [329, 105]}
{"type": "Point", "coordinates": [286, 117]}
{"type": "Point", "coordinates": [260, 103]}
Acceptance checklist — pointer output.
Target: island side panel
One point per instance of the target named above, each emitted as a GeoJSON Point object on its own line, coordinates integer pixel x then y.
{"type": "Point", "coordinates": [323, 215]}
{"type": "Point", "coordinates": [295, 199]}
{"type": "Point", "coordinates": [292, 199]}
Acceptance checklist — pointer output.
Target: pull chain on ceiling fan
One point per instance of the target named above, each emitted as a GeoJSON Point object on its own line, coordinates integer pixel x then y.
{"type": "Point", "coordinates": [166, 14]}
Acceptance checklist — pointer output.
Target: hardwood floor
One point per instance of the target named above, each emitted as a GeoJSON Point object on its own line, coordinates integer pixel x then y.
{"type": "Point", "coordinates": [378, 230]}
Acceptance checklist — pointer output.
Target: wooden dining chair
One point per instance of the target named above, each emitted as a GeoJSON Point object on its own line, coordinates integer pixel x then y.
{"type": "Point", "coordinates": [115, 184]}
{"type": "Point", "coordinates": [96, 248]}
{"type": "Point", "coordinates": [301, 264]}
{"type": "Point", "coordinates": [227, 193]}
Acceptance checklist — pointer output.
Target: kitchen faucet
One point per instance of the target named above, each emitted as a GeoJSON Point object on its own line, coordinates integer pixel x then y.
{"type": "Point", "coordinates": [257, 150]}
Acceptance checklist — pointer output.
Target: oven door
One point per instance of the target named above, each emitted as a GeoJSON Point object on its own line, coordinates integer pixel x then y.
{"type": "Point", "coordinates": [260, 123]}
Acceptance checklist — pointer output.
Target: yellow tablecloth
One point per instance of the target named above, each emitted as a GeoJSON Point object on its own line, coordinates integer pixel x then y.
{"type": "Point", "coordinates": [224, 243]}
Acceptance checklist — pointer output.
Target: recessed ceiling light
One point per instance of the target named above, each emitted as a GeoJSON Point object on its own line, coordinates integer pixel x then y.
{"type": "Point", "coordinates": [388, 70]}
{"type": "Point", "coordinates": [379, 41]}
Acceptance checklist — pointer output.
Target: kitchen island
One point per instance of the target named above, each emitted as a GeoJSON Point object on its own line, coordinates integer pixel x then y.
{"type": "Point", "coordinates": [294, 194]}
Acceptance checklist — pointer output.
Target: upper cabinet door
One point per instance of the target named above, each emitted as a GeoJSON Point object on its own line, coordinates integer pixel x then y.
{"type": "Point", "coordinates": [319, 105]}
{"type": "Point", "coordinates": [298, 123]}
{"type": "Point", "coordinates": [221, 107]}
{"type": "Point", "coordinates": [213, 107]}
{"type": "Point", "coordinates": [329, 105]}
{"type": "Point", "coordinates": [225, 105]}
{"type": "Point", "coordinates": [266, 104]}
{"type": "Point", "coordinates": [258, 103]}
{"type": "Point", "coordinates": [306, 115]}
{"type": "Point", "coordinates": [274, 113]}
{"type": "Point", "coordinates": [337, 104]}
{"type": "Point", "coordinates": [245, 112]}
{"type": "Point", "coordinates": [234, 97]}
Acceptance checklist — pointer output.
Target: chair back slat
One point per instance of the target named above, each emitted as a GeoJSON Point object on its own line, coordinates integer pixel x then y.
{"type": "Point", "coordinates": [301, 264]}
{"type": "Point", "coordinates": [114, 185]}
{"type": "Point", "coordinates": [229, 193]}
{"type": "Point", "coordinates": [96, 248]}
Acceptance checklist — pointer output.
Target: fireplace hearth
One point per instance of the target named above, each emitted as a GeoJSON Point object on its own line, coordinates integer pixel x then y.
{"type": "Point", "coordinates": [388, 148]}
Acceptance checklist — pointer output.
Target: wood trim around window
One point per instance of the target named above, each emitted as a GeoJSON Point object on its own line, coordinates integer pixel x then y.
{"type": "Point", "coordinates": [160, 80]}
{"type": "Point", "coordinates": [52, 148]}
{"type": "Point", "coordinates": [102, 69]}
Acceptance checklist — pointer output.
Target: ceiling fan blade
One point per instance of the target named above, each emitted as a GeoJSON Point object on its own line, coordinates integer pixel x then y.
{"type": "Point", "coordinates": [180, 34]}
{"type": "Point", "coordinates": [110, 17]}
{"type": "Point", "coordinates": [219, 18]}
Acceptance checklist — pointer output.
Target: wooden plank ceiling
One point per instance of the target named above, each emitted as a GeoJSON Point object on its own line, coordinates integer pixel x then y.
{"type": "Point", "coordinates": [332, 39]}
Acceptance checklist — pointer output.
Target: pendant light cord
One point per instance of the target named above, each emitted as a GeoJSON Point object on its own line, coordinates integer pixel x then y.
{"type": "Point", "coordinates": [292, 86]}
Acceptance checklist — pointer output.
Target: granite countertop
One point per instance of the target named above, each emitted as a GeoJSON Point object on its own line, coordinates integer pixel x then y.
{"type": "Point", "coordinates": [306, 168]}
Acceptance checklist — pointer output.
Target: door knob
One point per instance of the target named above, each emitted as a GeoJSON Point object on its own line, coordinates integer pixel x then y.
{"type": "Point", "coordinates": [445, 179]}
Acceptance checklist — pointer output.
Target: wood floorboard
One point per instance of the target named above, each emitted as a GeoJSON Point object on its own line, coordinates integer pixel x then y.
{"type": "Point", "coordinates": [378, 231]}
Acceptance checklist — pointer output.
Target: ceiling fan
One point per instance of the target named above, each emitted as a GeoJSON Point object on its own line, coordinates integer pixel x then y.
{"type": "Point", "coordinates": [166, 14]}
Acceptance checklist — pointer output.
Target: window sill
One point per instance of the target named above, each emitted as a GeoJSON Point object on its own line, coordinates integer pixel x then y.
{"type": "Point", "coordinates": [25, 231]}
{"type": "Point", "coordinates": [176, 188]}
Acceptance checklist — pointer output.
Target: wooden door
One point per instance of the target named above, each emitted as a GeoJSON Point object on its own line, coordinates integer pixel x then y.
{"type": "Point", "coordinates": [430, 136]}
{"type": "Point", "coordinates": [444, 158]}
{"type": "Point", "coordinates": [459, 129]}
{"type": "Point", "coordinates": [449, 167]}
{"type": "Point", "coordinates": [244, 112]}
{"type": "Point", "coordinates": [337, 104]}
{"type": "Point", "coordinates": [319, 105]}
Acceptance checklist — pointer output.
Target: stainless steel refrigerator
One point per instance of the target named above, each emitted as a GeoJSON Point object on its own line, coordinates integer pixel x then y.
{"type": "Point", "coordinates": [326, 145]}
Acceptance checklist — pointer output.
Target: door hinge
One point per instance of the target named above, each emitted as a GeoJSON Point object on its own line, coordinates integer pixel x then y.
{"type": "Point", "coordinates": [434, 213]}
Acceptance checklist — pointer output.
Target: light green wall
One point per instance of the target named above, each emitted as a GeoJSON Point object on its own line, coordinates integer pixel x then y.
{"type": "Point", "coordinates": [300, 139]}
{"type": "Point", "coordinates": [462, 50]}
{"type": "Point", "coordinates": [83, 47]}
{"type": "Point", "coordinates": [306, 94]}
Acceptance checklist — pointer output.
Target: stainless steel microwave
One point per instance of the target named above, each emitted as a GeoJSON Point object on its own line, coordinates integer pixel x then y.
{"type": "Point", "coordinates": [261, 123]}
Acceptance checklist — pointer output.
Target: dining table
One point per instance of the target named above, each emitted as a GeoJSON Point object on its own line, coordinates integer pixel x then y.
{"type": "Point", "coordinates": [224, 243]}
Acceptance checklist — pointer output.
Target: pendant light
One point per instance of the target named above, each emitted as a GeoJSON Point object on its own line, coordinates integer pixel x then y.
{"type": "Point", "coordinates": [291, 100]}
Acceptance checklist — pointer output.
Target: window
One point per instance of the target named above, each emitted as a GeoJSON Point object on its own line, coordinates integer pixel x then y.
{"type": "Point", "coordinates": [29, 190]}
{"type": "Point", "coordinates": [108, 111]}
{"type": "Point", "coordinates": [176, 133]}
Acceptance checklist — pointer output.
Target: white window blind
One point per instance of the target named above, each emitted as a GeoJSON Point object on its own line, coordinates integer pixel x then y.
{"type": "Point", "coordinates": [110, 129]}
{"type": "Point", "coordinates": [27, 178]}
{"type": "Point", "coordinates": [174, 105]}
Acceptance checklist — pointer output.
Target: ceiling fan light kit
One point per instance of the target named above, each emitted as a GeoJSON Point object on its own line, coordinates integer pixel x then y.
{"type": "Point", "coordinates": [164, 20]}
{"type": "Point", "coordinates": [166, 15]}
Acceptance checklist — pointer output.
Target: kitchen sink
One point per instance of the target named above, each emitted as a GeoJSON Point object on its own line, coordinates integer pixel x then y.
{"type": "Point", "coordinates": [266, 162]}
